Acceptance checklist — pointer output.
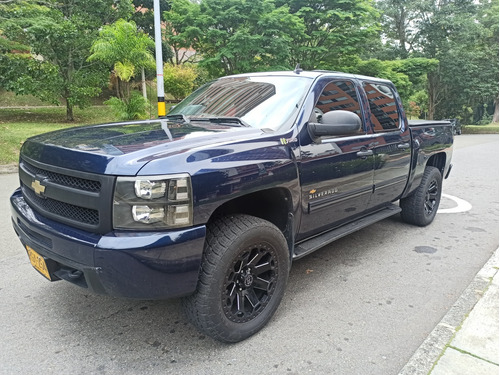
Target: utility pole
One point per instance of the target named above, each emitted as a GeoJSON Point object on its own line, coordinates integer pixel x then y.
{"type": "Point", "coordinates": [159, 59]}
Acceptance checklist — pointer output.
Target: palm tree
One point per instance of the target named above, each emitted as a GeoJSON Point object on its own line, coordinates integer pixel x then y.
{"type": "Point", "coordinates": [127, 49]}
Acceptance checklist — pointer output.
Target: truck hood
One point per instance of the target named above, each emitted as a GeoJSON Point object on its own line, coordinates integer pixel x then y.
{"type": "Point", "coordinates": [124, 148]}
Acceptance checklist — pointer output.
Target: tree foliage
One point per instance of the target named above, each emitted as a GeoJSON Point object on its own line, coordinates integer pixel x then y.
{"type": "Point", "coordinates": [179, 79]}
{"type": "Point", "coordinates": [398, 22]}
{"type": "Point", "coordinates": [408, 75]}
{"type": "Point", "coordinates": [333, 31]}
{"type": "Point", "coordinates": [59, 34]}
{"type": "Point", "coordinates": [132, 109]}
{"type": "Point", "coordinates": [124, 47]}
{"type": "Point", "coordinates": [38, 78]}
{"type": "Point", "coordinates": [463, 37]}
{"type": "Point", "coordinates": [441, 54]}
{"type": "Point", "coordinates": [237, 36]}
{"type": "Point", "coordinates": [181, 31]}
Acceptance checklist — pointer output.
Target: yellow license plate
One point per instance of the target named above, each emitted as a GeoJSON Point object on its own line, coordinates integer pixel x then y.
{"type": "Point", "coordinates": [38, 262]}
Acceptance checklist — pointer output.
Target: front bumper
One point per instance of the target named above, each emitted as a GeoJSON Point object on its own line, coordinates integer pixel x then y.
{"type": "Point", "coordinates": [142, 265]}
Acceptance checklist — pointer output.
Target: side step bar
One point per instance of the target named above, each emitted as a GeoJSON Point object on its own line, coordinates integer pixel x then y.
{"type": "Point", "coordinates": [318, 242]}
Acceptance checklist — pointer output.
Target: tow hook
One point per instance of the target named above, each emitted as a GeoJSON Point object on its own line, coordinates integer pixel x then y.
{"type": "Point", "coordinates": [75, 274]}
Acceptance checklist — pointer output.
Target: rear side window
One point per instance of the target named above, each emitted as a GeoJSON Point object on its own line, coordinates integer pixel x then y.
{"type": "Point", "coordinates": [383, 107]}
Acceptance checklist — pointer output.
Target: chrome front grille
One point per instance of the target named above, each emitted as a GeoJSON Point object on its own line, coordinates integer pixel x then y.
{"type": "Point", "coordinates": [79, 199]}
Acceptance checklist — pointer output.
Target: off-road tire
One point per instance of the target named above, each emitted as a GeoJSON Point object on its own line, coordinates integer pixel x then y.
{"type": "Point", "coordinates": [243, 277]}
{"type": "Point", "coordinates": [421, 207]}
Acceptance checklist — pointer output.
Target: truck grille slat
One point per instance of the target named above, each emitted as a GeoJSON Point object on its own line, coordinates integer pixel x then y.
{"type": "Point", "coordinates": [60, 199]}
{"type": "Point", "coordinates": [61, 179]}
{"type": "Point", "coordinates": [69, 211]}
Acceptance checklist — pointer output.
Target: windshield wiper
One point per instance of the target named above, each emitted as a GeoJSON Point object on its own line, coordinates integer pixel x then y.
{"type": "Point", "coordinates": [178, 118]}
{"type": "Point", "coordinates": [230, 121]}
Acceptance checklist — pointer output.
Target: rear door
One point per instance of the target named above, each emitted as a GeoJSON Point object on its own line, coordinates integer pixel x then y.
{"type": "Point", "coordinates": [336, 172]}
{"type": "Point", "coordinates": [390, 143]}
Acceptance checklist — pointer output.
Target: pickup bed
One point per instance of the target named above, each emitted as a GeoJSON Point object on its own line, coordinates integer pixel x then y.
{"type": "Point", "coordinates": [213, 202]}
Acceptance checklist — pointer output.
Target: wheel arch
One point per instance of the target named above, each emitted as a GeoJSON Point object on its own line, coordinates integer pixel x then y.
{"type": "Point", "coordinates": [439, 161]}
{"type": "Point", "coordinates": [274, 205]}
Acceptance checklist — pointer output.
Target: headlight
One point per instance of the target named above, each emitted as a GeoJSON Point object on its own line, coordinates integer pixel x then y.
{"type": "Point", "coordinates": [153, 202]}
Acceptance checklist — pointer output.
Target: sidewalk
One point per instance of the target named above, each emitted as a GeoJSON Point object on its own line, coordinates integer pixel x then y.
{"type": "Point", "coordinates": [466, 340]}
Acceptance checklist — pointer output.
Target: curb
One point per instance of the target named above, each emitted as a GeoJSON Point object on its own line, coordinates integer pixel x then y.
{"type": "Point", "coordinates": [424, 358]}
{"type": "Point", "coordinates": [8, 168]}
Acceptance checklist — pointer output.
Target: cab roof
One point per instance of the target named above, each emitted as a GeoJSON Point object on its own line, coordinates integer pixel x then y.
{"type": "Point", "coordinates": [313, 74]}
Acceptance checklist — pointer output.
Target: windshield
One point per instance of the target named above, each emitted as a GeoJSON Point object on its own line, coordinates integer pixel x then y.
{"type": "Point", "coordinates": [261, 102]}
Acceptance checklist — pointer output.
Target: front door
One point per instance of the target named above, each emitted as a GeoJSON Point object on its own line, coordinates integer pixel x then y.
{"type": "Point", "coordinates": [336, 173]}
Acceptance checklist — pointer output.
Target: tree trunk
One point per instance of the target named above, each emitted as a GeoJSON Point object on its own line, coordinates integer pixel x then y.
{"type": "Point", "coordinates": [401, 29]}
{"type": "Point", "coordinates": [495, 114]}
{"type": "Point", "coordinates": [117, 86]}
{"type": "Point", "coordinates": [122, 95]}
{"type": "Point", "coordinates": [431, 105]}
{"type": "Point", "coordinates": [69, 111]}
{"type": "Point", "coordinates": [434, 92]}
{"type": "Point", "coordinates": [143, 81]}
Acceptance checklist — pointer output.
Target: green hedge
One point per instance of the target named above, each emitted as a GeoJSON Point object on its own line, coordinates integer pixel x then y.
{"type": "Point", "coordinates": [480, 129]}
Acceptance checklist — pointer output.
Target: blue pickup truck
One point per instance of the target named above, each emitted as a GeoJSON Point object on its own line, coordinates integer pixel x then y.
{"type": "Point", "coordinates": [213, 202]}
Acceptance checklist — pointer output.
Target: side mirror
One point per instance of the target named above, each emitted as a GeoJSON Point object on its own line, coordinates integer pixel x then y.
{"type": "Point", "coordinates": [335, 123]}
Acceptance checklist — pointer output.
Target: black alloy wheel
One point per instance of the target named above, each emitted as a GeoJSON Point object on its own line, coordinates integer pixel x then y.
{"type": "Point", "coordinates": [421, 206]}
{"type": "Point", "coordinates": [431, 198]}
{"type": "Point", "coordinates": [243, 276]}
{"type": "Point", "coordinates": [250, 283]}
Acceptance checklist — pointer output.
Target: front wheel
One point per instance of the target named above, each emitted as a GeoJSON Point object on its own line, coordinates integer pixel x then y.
{"type": "Point", "coordinates": [243, 277]}
{"type": "Point", "coordinates": [421, 207]}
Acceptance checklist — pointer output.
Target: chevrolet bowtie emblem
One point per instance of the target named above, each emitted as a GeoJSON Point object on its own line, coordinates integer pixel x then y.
{"type": "Point", "coordinates": [38, 187]}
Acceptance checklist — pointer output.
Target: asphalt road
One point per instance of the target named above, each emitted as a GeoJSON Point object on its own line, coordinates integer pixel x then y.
{"type": "Point", "coordinates": [361, 305]}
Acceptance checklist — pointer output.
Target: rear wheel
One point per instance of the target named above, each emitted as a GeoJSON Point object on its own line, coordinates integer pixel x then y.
{"type": "Point", "coordinates": [421, 207]}
{"type": "Point", "coordinates": [243, 278]}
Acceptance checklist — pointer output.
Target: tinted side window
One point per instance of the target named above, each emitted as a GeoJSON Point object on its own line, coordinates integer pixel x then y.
{"type": "Point", "coordinates": [335, 96]}
{"type": "Point", "coordinates": [338, 95]}
{"type": "Point", "coordinates": [384, 111]}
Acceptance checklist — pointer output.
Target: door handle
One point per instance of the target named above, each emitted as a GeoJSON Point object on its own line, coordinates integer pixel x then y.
{"type": "Point", "coordinates": [365, 153]}
{"type": "Point", "coordinates": [404, 146]}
